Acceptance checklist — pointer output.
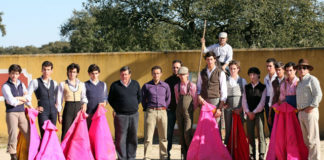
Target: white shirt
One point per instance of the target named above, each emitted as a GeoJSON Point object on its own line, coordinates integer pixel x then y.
{"type": "Point", "coordinates": [225, 52]}
{"type": "Point", "coordinates": [222, 81]}
{"type": "Point", "coordinates": [105, 88]}
{"type": "Point", "coordinates": [60, 96]}
{"type": "Point", "coordinates": [33, 86]}
{"type": "Point", "coordinates": [268, 83]}
{"type": "Point", "coordinates": [234, 82]}
{"type": "Point", "coordinates": [127, 83]}
{"type": "Point", "coordinates": [260, 106]}
{"type": "Point", "coordinates": [9, 98]}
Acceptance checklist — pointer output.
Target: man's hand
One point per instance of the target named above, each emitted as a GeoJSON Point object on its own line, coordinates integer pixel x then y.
{"type": "Point", "coordinates": [251, 115]}
{"type": "Point", "coordinates": [238, 111]}
{"type": "Point", "coordinates": [218, 113]}
{"type": "Point", "coordinates": [102, 104]}
{"type": "Point", "coordinates": [203, 41]}
{"type": "Point", "coordinates": [59, 115]}
{"type": "Point", "coordinates": [221, 104]}
{"type": "Point", "coordinates": [309, 109]}
{"type": "Point", "coordinates": [22, 99]}
{"type": "Point", "coordinates": [40, 109]}
{"type": "Point", "coordinates": [201, 100]}
{"type": "Point", "coordinates": [270, 120]}
{"type": "Point", "coordinates": [84, 107]}
{"type": "Point", "coordinates": [114, 114]}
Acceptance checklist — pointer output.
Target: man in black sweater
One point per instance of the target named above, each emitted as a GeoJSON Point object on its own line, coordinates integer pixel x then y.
{"type": "Point", "coordinates": [124, 97]}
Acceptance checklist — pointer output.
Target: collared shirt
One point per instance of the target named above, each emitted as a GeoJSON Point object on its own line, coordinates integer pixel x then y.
{"type": "Point", "coordinates": [222, 81]}
{"type": "Point", "coordinates": [126, 84]}
{"type": "Point", "coordinates": [288, 88]}
{"type": "Point", "coordinates": [60, 95]}
{"type": "Point", "coordinates": [33, 86]}
{"type": "Point", "coordinates": [155, 95]}
{"type": "Point", "coordinates": [260, 106]}
{"type": "Point", "coordinates": [183, 91]}
{"type": "Point", "coordinates": [308, 92]}
{"type": "Point", "coordinates": [268, 83]}
{"type": "Point", "coordinates": [105, 88]}
{"type": "Point", "coordinates": [234, 82]}
{"type": "Point", "coordinates": [225, 53]}
{"type": "Point", "coordinates": [6, 92]}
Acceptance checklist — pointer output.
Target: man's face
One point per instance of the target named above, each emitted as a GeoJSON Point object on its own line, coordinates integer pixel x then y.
{"type": "Point", "coordinates": [280, 72]}
{"type": "Point", "coordinates": [94, 75]}
{"type": "Point", "coordinates": [234, 69]}
{"type": "Point", "coordinates": [210, 61]}
{"type": "Point", "coordinates": [302, 71]}
{"type": "Point", "coordinates": [175, 67]}
{"type": "Point", "coordinates": [183, 77]}
{"type": "Point", "coordinates": [270, 68]}
{"type": "Point", "coordinates": [73, 73]}
{"type": "Point", "coordinates": [47, 71]}
{"type": "Point", "coordinates": [125, 76]}
{"type": "Point", "coordinates": [254, 77]}
{"type": "Point", "coordinates": [222, 41]}
{"type": "Point", "coordinates": [291, 72]}
{"type": "Point", "coordinates": [14, 75]}
{"type": "Point", "coordinates": [156, 74]}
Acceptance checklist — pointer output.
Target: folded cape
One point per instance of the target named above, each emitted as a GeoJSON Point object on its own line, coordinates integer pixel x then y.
{"type": "Point", "coordinates": [207, 143]}
{"type": "Point", "coordinates": [238, 144]}
{"type": "Point", "coordinates": [102, 144]}
{"type": "Point", "coordinates": [50, 148]}
{"type": "Point", "coordinates": [286, 140]}
{"type": "Point", "coordinates": [76, 143]}
{"type": "Point", "coordinates": [23, 149]}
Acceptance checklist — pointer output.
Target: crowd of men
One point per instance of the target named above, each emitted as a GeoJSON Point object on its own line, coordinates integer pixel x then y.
{"type": "Point", "coordinates": [170, 101]}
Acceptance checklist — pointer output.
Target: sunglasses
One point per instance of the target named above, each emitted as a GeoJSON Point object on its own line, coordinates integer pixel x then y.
{"type": "Point", "coordinates": [302, 67]}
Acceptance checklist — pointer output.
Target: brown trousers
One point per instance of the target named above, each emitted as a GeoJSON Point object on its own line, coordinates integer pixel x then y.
{"type": "Point", "coordinates": [14, 121]}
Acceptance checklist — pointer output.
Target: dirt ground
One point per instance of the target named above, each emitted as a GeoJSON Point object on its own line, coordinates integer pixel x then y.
{"type": "Point", "coordinates": [175, 152]}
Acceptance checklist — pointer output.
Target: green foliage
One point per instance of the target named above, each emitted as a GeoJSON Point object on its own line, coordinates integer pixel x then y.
{"type": "Point", "coordinates": [52, 47]}
{"type": "Point", "coordinates": [2, 26]}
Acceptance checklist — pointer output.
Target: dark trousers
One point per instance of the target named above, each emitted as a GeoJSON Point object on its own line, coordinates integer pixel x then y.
{"type": "Point", "coordinates": [70, 112]}
{"type": "Point", "coordinates": [126, 135]}
{"type": "Point", "coordinates": [49, 113]}
{"type": "Point", "coordinates": [184, 120]}
{"type": "Point", "coordinates": [171, 123]}
{"type": "Point", "coordinates": [266, 108]}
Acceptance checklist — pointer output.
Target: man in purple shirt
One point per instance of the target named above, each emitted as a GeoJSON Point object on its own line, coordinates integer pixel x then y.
{"type": "Point", "coordinates": [156, 98]}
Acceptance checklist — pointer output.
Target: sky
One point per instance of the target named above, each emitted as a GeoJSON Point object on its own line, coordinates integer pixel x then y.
{"type": "Point", "coordinates": [35, 22]}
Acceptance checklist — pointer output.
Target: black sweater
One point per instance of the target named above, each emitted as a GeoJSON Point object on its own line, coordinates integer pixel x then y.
{"type": "Point", "coordinates": [125, 100]}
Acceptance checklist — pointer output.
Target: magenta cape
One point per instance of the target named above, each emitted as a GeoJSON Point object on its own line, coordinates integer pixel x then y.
{"type": "Point", "coordinates": [286, 138]}
{"type": "Point", "coordinates": [34, 136]}
{"type": "Point", "coordinates": [102, 144]}
{"type": "Point", "coordinates": [238, 144]}
{"type": "Point", "coordinates": [76, 143]}
{"type": "Point", "coordinates": [50, 148]}
{"type": "Point", "coordinates": [206, 143]}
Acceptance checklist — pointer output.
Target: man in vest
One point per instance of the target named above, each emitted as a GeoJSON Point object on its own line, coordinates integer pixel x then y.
{"type": "Point", "coordinates": [96, 92]}
{"type": "Point", "coordinates": [211, 85]}
{"type": "Point", "coordinates": [253, 101]}
{"type": "Point", "coordinates": [45, 90]}
{"type": "Point", "coordinates": [309, 95]}
{"type": "Point", "coordinates": [15, 95]}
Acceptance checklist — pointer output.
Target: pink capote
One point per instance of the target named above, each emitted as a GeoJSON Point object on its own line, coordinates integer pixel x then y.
{"type": "Point", "coordinates": [286, 140]}
{"type": "Point", "coordinates": [102, 144]}
{"type": "Point", "coordinates": [34, 136]}
{"type": "Point", "coordinates": [207, 143]}
{"type": "Point", "coordinates": [76, 143]}
{"type": "Point", "coordinates": [50, 148]}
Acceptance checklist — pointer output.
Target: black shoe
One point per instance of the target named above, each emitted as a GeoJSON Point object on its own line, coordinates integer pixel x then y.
{"type": "Point", "coordinates": [13, 156]}
{"type": "Point", "coordinates": [261, 156]}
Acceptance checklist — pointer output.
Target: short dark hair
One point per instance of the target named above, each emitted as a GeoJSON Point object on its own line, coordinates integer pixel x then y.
{"type": "Point", "coordinates": [14, 68]}
{"type": "Point", "coordinates": [210, 54]}
{"type": "Point", "coordinates": [156, 67]}
{"type": "Point", "coordinates": [279, 65]}
{"type": "Point", "coordinates": [269, 60]}
{"type": "Point", "coordinates": [47, 64]}
{"type": "Point", "coordinates": [290, 64]}
{"type": "Point", "coordinates": [93, 67]}
{"type": "Point", "coordinates": [125, 68]}
{"type": "Point", "coordinates": [177, 61]}
{"type": "Point", "coordinates": [71, 67]}
{"type": "Point", "coordinates": [254, 70]}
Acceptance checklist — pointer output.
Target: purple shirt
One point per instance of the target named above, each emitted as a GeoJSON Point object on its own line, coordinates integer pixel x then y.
{"type": "Point", "coordinates": [155, 95]}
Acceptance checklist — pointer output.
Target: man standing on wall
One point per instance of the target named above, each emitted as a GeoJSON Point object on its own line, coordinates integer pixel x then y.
{"type": "Point", "coordinates": [156, 99]}
{"type": "Point", "coordinates": [124, 97]}
{"type": "Point", "coordinates": [171, 111]}
{"type": "Point", "coordinates": [309, 95]}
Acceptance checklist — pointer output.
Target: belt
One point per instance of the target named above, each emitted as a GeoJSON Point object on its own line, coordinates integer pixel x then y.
{"type": "Point", "coordinates": [158, 108]}
{"type": "Point", "coordinates": [299, 110]}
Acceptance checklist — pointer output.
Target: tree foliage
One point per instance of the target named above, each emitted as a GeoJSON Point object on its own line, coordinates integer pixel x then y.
{"type": "Point", "coordinates": [52, 47]}
{"type": "Point", "coordinates": [2, 26]}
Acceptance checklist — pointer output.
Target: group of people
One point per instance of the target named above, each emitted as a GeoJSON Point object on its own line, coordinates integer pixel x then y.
{"type": "Point", "coordinates": [170, 101]}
